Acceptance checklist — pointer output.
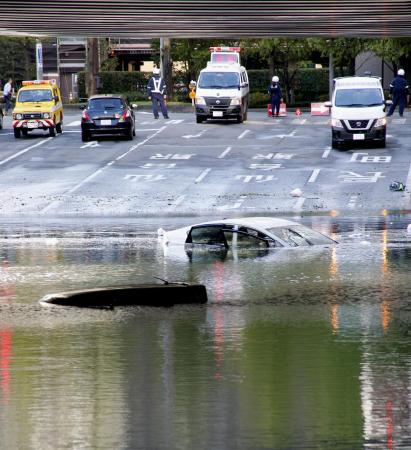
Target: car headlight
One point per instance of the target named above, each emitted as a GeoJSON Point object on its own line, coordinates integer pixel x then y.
{"type": "Point", "coordinates": [200, 101]}
{"type": "Point", "coordinates": [381, 122]}
{"type": "Point", "coordinates": [336, 123]}
{"type": "Point", "coordinates": [235, 101]}
{"type": "Point", "coordinates": [46, 115]}
{"type": "Point", "coordinates": [19, 116]}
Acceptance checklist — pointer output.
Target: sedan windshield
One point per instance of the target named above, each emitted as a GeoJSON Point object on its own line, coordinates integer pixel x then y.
{"type": "Point", "coordinates": [218, 80]}
{"type": "Point", "coordinates": [35, 95]}
{"type": "Point", "coordinates": [105, 103]}
{"type": "Point", "coordinates": [358, 97]}
{"type": "Point", "coordinates": [297, 235]}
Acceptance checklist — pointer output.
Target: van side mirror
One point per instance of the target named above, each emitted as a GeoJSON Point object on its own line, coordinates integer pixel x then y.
{"type": "Point", "coordinates": [328, 104]}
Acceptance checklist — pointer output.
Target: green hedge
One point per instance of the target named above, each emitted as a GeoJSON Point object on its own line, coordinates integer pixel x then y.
{"type": "Point", "coordinates": [134, 83]}
{"type": "Point", "coordinates": [309, 85]}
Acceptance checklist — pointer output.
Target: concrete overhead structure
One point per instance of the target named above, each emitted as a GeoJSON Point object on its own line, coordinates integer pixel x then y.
{"type": "Point", "coordinates": [206, 18]}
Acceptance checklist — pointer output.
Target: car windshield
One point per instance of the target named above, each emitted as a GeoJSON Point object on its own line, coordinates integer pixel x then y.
{"type": "Point", "coordinates": [35, 95]}
{"type": "Point", "coordinates": [297, 235]}
{"type": "Point", "coordinates": [105, 103]}
{"type": "Point", "coordinates": [358, 97]}
{"type": "Point", "coordinates": [218, 80]}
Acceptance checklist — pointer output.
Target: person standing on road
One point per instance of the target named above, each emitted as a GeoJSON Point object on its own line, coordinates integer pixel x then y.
{"type": "Point", "coordinates": [7, 94]}
{"type": "Point", "coordinates": [276, 96]}
{"type": "Point", "coordinates": [156, 89]}
{"type": "Point", "coordinates": [399, 93]}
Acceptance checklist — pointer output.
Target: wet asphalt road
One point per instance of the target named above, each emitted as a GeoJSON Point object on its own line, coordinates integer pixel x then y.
{"type": "Point", "coordinates": [178, 167]}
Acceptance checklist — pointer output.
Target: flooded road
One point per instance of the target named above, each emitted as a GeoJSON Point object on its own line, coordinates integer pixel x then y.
{"type": "Point", "coordinates": [297, 348]}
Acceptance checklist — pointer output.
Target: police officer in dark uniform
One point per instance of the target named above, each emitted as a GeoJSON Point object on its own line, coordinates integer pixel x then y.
{"type": "Point", "coordinates": [399, 93]}
{"type": "Point", "coordinates": [156, 93]}
{"type": "Point", "coordinates": [276, 96]}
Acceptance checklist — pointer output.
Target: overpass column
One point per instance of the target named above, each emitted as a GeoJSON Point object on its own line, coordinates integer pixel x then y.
{"type": "Point", "coordinates": [166, 64]}
{"type": "Point", "coordinates": [330, 71]}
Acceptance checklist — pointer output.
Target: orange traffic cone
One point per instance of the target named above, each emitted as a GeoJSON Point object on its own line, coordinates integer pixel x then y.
{"type": "Point", "coordinates": [298, 112]}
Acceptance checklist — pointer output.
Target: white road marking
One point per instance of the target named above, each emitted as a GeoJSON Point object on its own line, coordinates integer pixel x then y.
{"type": "Point", "coordinates": [314, 176]}
{"type": "Point", "coordinates": [21, 152]}
{"type": "Point", "coordinates": [142, 112]}
{"type": "Point", "coordinates": [326, 152]}
{"type": "Point", "coordinates": [101, 169]}
{"type": "Point", "coordinates": [91, 144]}
{"type": "Point", "coordinates": [299, 204]}
{"type": "Point", "coordinates": [202, 175]}
{"type": "Point", "coordinates": [178, 202]}
{"type": "Point", "coordinates": [243, 134]}
{"type": "Point", "coordinates": [352, 201]}
{"type": "Point", "coordinates": [225, 153]}
{"type": "Point", "coordinates": [191, 136]}
{"type": "Point", "coordinates": [236, 205]}
{"type": "Point", "coordinates": [407, 194]}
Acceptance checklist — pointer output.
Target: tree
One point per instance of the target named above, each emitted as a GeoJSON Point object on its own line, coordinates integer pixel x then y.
{"type": "Point", "coordinates": [282, 56]}
{"type": "Point", "coordinates": [17, 58]}
{"type": "Point", "coordinates": [395, 50]}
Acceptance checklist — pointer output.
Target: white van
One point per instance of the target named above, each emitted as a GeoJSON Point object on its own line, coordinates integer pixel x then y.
{"type": "Point", "coordinates": [358, 111]}
{"type": "Point", "coordinates": [222, 88]}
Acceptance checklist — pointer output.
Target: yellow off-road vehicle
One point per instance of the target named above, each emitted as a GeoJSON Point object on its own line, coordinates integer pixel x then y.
{"type": "Point", "coordinates": [38, 107]}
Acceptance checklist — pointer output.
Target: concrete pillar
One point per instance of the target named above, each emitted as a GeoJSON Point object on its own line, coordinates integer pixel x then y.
{"type": "Point", "coordinates": [331, 73]}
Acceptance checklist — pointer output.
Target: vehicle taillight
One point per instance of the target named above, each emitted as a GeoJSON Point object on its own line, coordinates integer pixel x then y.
{"type": "Point", "coordinates": [85, 116]}
{"type": "Point", "coordinates": [124, 115]}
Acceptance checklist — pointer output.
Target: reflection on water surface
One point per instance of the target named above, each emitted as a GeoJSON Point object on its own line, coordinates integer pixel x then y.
{"type": "Point", "coordinates": [300, 348]}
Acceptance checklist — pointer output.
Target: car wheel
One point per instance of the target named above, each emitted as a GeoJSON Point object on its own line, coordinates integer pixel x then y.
{"type": "Point", "coordinates": [199, 119]}
{"type": "Point", "coordinates": [17, 133]}
{"type": "Point", "coordinates": [24, 132]}
{"type": "Point", "coordinates": [245, 116]}
{"type": "Point", "coordinates": [59, 127]}
{"type": "Point", "coordinates": [382, 143]}
{"type": "Point", "coordinates": [85, 137]}
{"type": "Point", "coordinates": [134, 130]}
{"type": "Point", "coordinates": [52, 131]}
{"type": "Point", "coordinates": [130, 134]}
{"type": "Point", "coordinates": [240, 118]}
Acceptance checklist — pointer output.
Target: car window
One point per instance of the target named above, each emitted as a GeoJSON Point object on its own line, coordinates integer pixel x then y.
{"type": "Point", "coordinates": [219, 80]}
{"type": "Point", "coordinates": [208, 235]}
{"type": "Point", "coordinates": [299, 235]}
{"type": "Point", "coordinates": [359, 97]}
{"type": "Point", "coordinates": [35, 95]}
{"type": "Point", "coordinates": [242, 240]}
{"type": "Point", "coordinates": [105, 103]}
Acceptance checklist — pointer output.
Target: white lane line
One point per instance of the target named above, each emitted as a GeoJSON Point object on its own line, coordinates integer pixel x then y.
{"type": "Point", "coordinates": [352, 202]}
{"type": "Point", "coordinates": [299, 204]}
{"type": "Point", "coordinates": [178, 202]}
{"type": "Point", "coordinates": [98, 171]}
{"type": "Point", "coordinates": [225, 153]}
{"type": "Point", "coordinates": [21, 152]}
{"type": "Point", "coordinates": [243, 134]}
{"type": "Point", "coordinates": [326, 152]}
{"type": "Point", "coordinates": [407, 194]}
{"type": "Point", "coordinates": [202, 175]}
{"type": "Point", "coordinates": [314, 175]}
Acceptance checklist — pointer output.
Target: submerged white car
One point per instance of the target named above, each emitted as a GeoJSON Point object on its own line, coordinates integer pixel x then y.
{"type": "Point", "coordinates": [249, 232]}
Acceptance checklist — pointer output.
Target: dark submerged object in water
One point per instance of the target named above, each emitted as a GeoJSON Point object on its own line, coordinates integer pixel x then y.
{"type": "Point", "coordinates": [166, 295]}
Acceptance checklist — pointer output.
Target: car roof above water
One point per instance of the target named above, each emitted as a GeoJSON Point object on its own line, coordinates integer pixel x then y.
{"type": "Point", "coordinates": [254, 222]}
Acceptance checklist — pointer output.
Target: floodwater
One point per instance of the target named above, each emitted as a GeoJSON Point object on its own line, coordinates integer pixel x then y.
{"type": "Point", "coordinates": [296, 349]}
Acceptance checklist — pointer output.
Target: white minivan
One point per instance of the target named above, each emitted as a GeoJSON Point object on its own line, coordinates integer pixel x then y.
{"type": "Point", "coordinates": [222, 89]}
{"type": "Point", "coordinates": [358, 111]}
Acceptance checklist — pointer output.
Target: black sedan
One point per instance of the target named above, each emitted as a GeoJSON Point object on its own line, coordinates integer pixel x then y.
{"type": "Point", "coordinates": [107, 115]}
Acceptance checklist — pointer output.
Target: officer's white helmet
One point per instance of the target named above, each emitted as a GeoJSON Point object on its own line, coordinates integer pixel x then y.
{"type": "Point", "coordinates": [401, 72]}
{"type": "Point", "coordinates": [276, 79]}
{"type": "Point", "coordinates": [156, 71]}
